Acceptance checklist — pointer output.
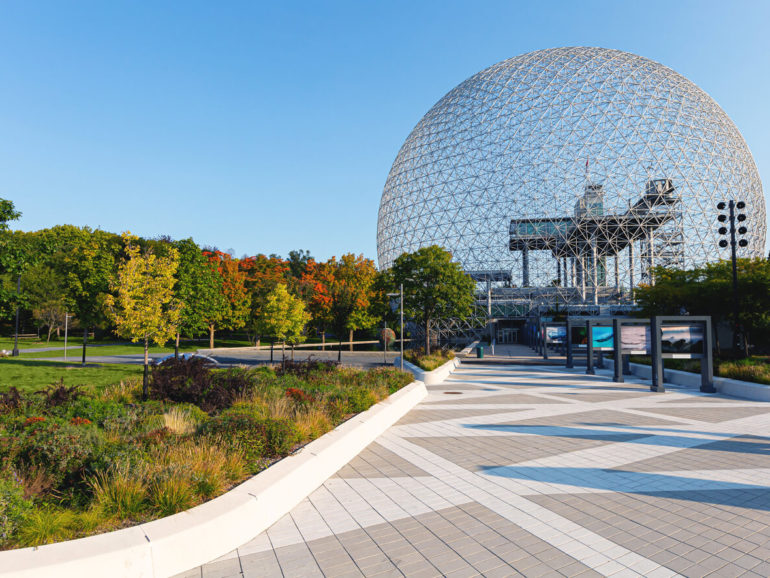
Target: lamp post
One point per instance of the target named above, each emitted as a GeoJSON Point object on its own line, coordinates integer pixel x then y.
{"type": "Point", "coordinates": [730, 218]}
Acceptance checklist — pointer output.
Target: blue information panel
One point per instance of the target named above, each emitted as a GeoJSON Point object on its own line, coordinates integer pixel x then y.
{"type": "Point", "coordinates": [602, 337]}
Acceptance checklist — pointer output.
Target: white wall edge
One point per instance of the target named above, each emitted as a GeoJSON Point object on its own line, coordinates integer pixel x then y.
{"type": "Point", "coordinates": [430, 377]}
{"type": "Point", "coordinates": [177, 543]}
{"type": "Point", "coordinates": [726, 386]}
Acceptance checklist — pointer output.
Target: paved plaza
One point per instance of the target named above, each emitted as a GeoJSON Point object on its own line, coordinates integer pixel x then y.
{"type": "Point", "coordinates": [532, 470]}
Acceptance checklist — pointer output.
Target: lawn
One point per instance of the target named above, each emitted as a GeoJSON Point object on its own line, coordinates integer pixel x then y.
{"type": "Point", "coordinates": [125, 349]}
{"type": "Point", "coordinates": [28, 375]}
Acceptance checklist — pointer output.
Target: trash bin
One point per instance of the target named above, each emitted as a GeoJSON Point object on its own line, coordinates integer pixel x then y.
{"type": "Point", "coordinates": [480, 351]}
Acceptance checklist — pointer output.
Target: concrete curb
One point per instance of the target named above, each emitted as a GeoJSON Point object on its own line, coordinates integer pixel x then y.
{"type": "Point", "coordinates": [724, 385]}
{"type": "Point", "coordinates": [177, 543]}
{"type": "Point", "coordinates": [430, 377]}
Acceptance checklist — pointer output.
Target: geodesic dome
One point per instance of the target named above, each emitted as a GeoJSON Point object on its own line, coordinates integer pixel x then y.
{"type": "Point", "coordinates": [545, 142]}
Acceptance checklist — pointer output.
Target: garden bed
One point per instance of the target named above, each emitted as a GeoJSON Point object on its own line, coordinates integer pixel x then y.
{"type": "Point", "coordinates": [76, 462]}
{"type": "Point", "coordinates": [429, 362]}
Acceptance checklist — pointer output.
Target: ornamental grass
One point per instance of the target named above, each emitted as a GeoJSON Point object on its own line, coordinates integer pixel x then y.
{"type": "Point", "coordinates": [79, 461]}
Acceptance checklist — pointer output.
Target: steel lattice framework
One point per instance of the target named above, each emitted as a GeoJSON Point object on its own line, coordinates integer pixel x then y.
{"type": "Point", "coordinates": [572, 168]}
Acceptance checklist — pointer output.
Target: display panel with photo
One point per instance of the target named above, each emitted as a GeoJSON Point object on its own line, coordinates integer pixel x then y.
{"type": "Point", "coordinates": [682, 339]}
{"type": "Point", "coordinates": [635, 339]}
{"type": "Point", "coordinates": [557, 334]}
{"type": "Point", "coordinates": [602, 337]}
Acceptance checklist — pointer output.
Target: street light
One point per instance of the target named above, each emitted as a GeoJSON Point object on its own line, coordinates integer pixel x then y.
{"type": "Point", "coordinates": [400, 294]}
{"type": "Point", "coordinates": [731, 217]}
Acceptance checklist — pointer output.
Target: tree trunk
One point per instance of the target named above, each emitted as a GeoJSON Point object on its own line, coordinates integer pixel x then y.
{"type": "Point", "coordinates": [176, 346]}
{"type": "Point", "coordinates": [339, 351]}
{"type": "Point", "coordinates": [211, 336]}
{"type": "Point", "coordinates": [272, 345]}
{"type": "Point", "coordinates": [146, 369]}
{"type": "Point", "coordinates": [85, 340]}
{"type": "Point", "coordinates": [323, 340]}
{"type": "Point", "coordinates": [427, 337]}
{"type": "Point", "coordinates": [351, 340]}
{"type": "Point", "coordinates": [257, 342]}
{"type": "Point", "coordinates": [50, 330]}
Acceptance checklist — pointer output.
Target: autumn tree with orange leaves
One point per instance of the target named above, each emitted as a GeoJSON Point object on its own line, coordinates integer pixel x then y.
{"type": "Point", "coordinates": [340, 294]}
{"type": "Point", "coordinates": [263, 275]}
{"type": "Point", "coordinates": [234, 308]}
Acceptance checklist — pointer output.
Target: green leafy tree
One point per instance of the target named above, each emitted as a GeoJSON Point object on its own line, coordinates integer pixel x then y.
{"type": "Point", "coordinates": [46, 298]}
{"type": "Point", "coordinates": [198, 289]}
{"type": "Point", "coordinates": [284, 317]}
{"type": "Point", "coordinates": [232, 311]}
{"type": "Point", "coordinates": [7, 213]}
{"type": "Point", "coordinates": [86, 261]}
{"type": "Point", "coordinates": [143, 307]}
{"type": "Point", "coordinates": [708, 290]}
{"type": "Point", "coordinates": [435, 287]}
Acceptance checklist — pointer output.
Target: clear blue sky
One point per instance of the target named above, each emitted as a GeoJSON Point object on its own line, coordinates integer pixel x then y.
{"type": "Point", "coordinates": [266, 127]}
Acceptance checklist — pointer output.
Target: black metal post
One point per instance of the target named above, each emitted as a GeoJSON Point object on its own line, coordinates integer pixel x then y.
{"type": "Point", "coordinates": [15, 352]}
{"type": "Point", "coordinates": [657, 360]}
{"type": "Point", "coordinates": [590, 348]}
{"type": "Point", "coordinates": [617, 367]}
{"type": "Point", "coordinates": [706, 362]}
{"type": "Point", "coordinates": [570, 362]}
{"type": "Point", "coordinates": [733, 254]}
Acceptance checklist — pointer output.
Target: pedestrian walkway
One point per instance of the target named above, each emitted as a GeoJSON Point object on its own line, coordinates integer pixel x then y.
{"type": "Point", "coordinates": [536, 471]}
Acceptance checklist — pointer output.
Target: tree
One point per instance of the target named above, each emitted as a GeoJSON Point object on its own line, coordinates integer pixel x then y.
{"type": "Point", "coordinates": [143, 306]}
{"type": "Point", "coordinates": [298, 262]}
{"type": "Point", "coordinates": [263, 275]}
{"type": "Point", "coordinates": [198, 289]}
{"type": "Point", "coordinates": [284, 317]}
{"type": "Point", "coordinates": [232, 311]}
{"type": "Point", "coordinates": [86, 261]}
{"type": "Point", "coordinates": [7, 213]}
{"type": "Point", "coordinates": [44, 289]}
{"type": "Point", "coordinates": [708, 290]}
{"type": "Point", "coordinates": [340, 294]}
{"type": "Point", "coordinates": [435, 287]}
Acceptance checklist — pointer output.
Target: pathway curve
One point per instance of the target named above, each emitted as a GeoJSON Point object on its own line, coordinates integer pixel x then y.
{"type": "Point", "coordinates": [536, 471]}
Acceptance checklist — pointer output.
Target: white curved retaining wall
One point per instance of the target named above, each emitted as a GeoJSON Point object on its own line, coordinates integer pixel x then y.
{"type": "Point", "coordinates": [177, 543]}
{"type": "Point", "coordinates": [430, 377]}
{"type": "Point", "coordinates": [724, 385]}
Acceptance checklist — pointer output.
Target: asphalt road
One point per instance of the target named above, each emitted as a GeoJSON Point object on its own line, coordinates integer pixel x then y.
{"type": "Point", "coordinates": [362, 359]}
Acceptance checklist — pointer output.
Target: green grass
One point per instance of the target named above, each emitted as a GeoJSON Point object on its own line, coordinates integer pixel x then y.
{"type": "Point", "coordinates": [7, 343]}
{"type": "Point", "coordinates": [133, 349]}
{"type": "Point", "coordinates": [27, 375]}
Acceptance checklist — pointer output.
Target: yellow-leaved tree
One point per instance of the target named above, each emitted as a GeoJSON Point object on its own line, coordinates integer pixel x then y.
{"type": "Point", "coordinates": [142, 303]}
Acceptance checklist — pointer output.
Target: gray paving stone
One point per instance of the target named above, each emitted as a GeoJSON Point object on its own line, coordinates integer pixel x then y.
{"type": "Point", "coordinates": [716, 528]}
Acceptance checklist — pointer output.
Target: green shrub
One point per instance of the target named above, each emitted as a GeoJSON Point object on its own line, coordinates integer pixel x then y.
{"type": "Point", "coordinates": [100, 412]}
{"type": "Point", "coordinates": [59, 448]}
{"type": "Point", "coordinates": [257, 436]}
{"type": "Point", "coordinates": [360, 399]}
{"type": "Point", "coordinates": [13, 510]}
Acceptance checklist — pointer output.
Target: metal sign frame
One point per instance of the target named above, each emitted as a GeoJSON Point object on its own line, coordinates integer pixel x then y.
{"type": "Point", "coordinates": [657, 323]}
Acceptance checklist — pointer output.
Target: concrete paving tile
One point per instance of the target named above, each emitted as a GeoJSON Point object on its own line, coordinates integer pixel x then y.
{"type": "Point", "coordinates": [223, 569]}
